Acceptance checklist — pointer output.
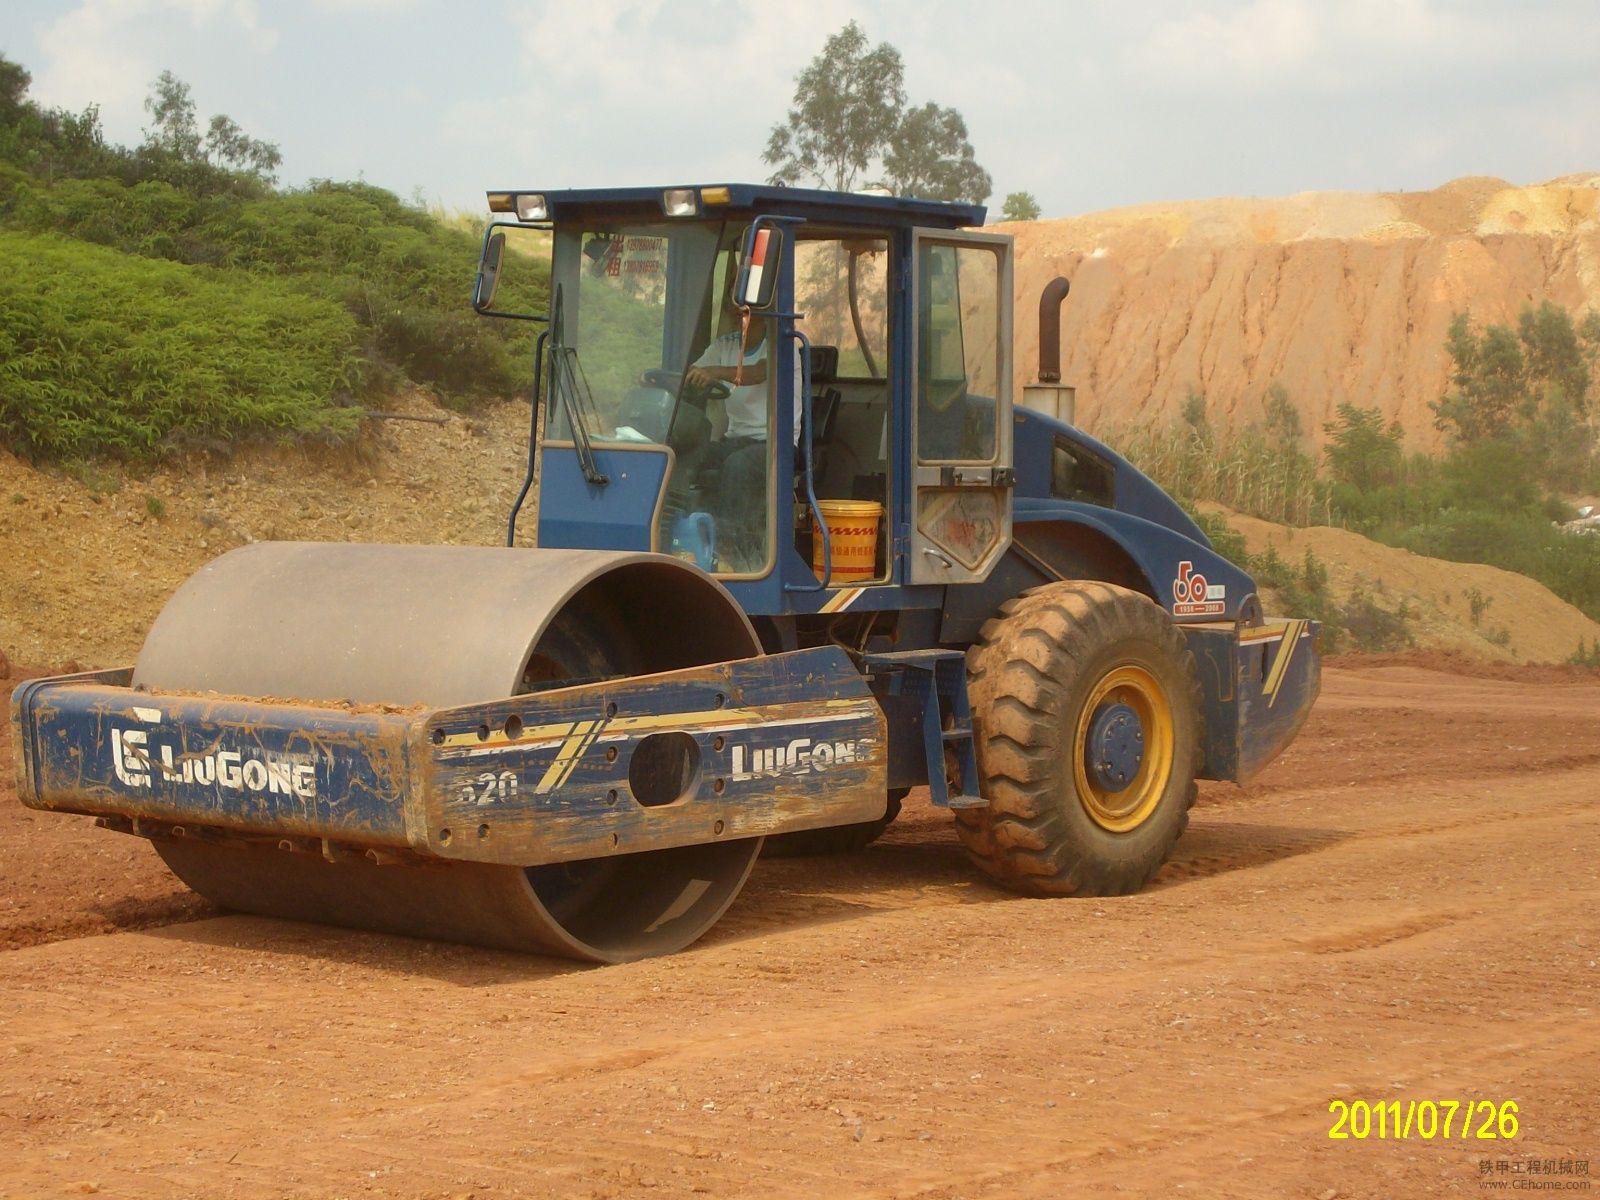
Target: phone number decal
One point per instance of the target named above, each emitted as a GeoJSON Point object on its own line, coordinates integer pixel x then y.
{"type": "Point", "coordinates": [1429, 1120]}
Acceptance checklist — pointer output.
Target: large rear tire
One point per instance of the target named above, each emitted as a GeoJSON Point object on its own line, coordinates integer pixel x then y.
{"type": "Point", "coordinates": [1086, 708]}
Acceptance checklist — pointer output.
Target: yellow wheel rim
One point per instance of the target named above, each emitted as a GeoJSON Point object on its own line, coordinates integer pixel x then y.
{"type": "Point", "coordinates": [1126, 809]}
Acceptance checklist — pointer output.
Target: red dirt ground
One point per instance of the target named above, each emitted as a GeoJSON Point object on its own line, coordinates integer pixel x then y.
{"type": "Point", "coordinates": [1403, 907]}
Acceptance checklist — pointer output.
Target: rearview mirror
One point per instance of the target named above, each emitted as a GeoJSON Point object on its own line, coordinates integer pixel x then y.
{"type": "Point", "coordinates": [757, 285]}
{"type": "Point", "coordinates": [488, 272]}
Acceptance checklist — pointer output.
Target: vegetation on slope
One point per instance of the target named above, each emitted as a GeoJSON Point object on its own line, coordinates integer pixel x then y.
{"type": "Point", "coordinates": [170, 291]}
{"type": "Point", "coordinates": [100, 352]}
{"type": "Point", "coordinates": [1521, 435]}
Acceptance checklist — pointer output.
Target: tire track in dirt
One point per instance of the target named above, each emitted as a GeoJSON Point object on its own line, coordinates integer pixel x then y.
{"type": "Point", "coordinates": [887, 1023]}
{"type": "Point", "coordinates": [71, 880]}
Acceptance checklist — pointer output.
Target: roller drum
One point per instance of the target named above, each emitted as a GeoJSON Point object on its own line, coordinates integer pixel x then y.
{"type": "Point", "coordinates": [443, 626]}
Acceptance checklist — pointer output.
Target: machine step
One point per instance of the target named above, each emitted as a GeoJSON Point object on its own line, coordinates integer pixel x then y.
{"type": "Point", "coordinates": [937, 680]}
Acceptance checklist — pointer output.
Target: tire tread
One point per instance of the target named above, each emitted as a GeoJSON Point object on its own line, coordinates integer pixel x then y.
{"type": "Point", "coordinates": [1018, 671]}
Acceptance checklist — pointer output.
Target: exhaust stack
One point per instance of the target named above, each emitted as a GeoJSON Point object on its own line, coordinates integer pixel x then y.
{"type": "Point", "coordinates": [1049, 396]}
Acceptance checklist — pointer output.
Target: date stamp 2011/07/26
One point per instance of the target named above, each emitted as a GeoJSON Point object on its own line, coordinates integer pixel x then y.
{"type": "Point", "coordinates": [1429, 1120]}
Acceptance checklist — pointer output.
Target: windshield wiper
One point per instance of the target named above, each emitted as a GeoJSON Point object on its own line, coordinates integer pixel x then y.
{"type": "Point", "coordinates": [567, 378]}
{"type": "Point", "coordinates": [576, 398]}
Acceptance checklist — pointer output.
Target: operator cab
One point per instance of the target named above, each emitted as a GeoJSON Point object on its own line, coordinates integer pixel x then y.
{"type": "Point", "coordinates": [728, 369]}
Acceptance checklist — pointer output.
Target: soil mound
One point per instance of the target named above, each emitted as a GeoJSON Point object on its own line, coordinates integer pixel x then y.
{"type": "Point", "coordinates": [89, 561]}
{"type": "Point", "coordinates": [1468, 609]}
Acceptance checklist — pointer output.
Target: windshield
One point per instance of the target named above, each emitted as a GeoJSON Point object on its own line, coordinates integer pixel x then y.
{"type": "Point", "coordinates": [647, 349]}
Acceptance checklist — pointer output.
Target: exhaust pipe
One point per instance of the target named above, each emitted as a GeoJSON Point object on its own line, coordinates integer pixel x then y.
{"type": "Point", "coordinates": [1048, 395]}
{"type": "Point", "coordinates": [1050, 329]}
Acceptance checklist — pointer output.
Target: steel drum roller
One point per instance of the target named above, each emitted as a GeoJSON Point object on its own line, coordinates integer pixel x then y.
{"type": "Point", "coordinates": [442, 626]}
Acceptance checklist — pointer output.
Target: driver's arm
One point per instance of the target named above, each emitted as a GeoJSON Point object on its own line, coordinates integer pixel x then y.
{"type": "Point", "coordinates": [753, 373]}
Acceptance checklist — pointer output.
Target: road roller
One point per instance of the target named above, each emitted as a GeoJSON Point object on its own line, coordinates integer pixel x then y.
{"type": "Point", "coordinates": [792, 541]}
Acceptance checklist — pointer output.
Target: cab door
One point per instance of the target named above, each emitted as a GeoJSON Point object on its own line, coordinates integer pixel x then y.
{"type": "Point", "coordinates": [961, 471]}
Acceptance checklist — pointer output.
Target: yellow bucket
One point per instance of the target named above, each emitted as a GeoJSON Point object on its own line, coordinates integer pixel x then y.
{"type": "Point", "coordinates": [853, 532]}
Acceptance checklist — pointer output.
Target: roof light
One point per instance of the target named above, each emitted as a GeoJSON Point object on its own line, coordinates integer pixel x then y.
{"type": "Point", "coordinates": [531, 207]}
{"type": "Point", "coordinates": [502, 202]}
{"type": "Point", "coordinates": [679, 202]}
{"type": "Point", "coordinates": [716, 195]}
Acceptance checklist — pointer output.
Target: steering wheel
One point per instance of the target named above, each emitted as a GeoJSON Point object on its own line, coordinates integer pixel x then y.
{"type": "Point", "coordinates": [673, 381]}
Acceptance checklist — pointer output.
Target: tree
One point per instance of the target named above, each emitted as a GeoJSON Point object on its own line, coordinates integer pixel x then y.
{"type": "Point", "coordinates": [49, 143]}
{"type": "Point", "coordinates": [14, 83]}
{"type": "Point", "coordinates": [229, 147]}
{"type": "Point", "coordinates": [1283, 425]}
{"type": "Point", "coordinates": [1361, 450]}
{"type": "Point", "coordinates": [929, 155]}
{"type": "Point", "coordinates": [1020, 206]}
{"type": "Point", "coordinates": [1504, 379]}
{"type": "Point", "coordinates": [1528, 388]}
{"type": "Point", "coordinates": [225, 151]}
{"type": "Point", "coordinates": [849, 112]}
{"type": "Point", "coordinates": [175, 131]}
{"type": "Point", "coordinates": [846, 107]}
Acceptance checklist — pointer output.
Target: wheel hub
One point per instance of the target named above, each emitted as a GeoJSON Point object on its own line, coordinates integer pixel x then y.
{"type": "Point", "coordinates": [1123, 748]}
{"type": "Point", "coordinates": [1114, 750]}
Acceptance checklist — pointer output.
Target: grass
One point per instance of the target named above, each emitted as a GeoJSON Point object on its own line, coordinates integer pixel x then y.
{"type": "Point", "coordinates": [165, 292]}
{"type": "Point", "coordinates": [1247, 470]}
{"type": "Point", "coordinates": [105, 353]}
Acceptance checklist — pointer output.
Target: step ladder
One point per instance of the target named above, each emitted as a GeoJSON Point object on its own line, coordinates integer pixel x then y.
{"type": "Point", "coordinates": [936, 680]}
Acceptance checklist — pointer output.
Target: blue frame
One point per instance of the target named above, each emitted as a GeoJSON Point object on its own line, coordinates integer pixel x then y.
{"type": "Point", "coordinates": [1157, 546]}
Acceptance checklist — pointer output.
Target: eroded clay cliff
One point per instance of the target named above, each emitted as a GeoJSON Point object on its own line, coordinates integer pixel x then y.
{"type": "Point", "coordinates": [1337, 295]}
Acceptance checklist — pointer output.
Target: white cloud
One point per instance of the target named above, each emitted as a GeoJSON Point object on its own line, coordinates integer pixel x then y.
{"type": "Point", "coordinates": [1264, 40]}
{"type": "Point", "coordinates": [1301, 45]}
{"type": "Point", "coordinates": [653, 53]}
{"type": "Point", "coordinates": [107, 52]}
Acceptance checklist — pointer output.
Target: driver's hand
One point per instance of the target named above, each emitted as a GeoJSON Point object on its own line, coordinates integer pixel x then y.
{"type": "Point", "coordinates": [699, 377]}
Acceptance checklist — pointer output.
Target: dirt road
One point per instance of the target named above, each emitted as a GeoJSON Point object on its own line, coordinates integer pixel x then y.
{"type": "Point", "coordinates": [1406, 907]}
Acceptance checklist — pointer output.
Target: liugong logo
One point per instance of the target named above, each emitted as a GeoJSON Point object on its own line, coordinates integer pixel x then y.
{"type": "Point", "coordinates": [137, 760]}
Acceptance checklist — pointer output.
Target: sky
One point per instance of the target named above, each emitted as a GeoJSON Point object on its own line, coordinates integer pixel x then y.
{"type": "Point", "coordinates": [1087, 104]}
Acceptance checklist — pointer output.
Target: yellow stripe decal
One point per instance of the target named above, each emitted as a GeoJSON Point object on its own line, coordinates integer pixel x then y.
{"type": "Point", "coordinates": [567, 757]}
{"type": "Point", "coordinates": [1264, 633]}
{"type": "Point", "coordinates": [1280, 664]}
{"type": "Point", "coordinates": [707, 721]}
{"type": "Point", "coordinates": [842, 600]}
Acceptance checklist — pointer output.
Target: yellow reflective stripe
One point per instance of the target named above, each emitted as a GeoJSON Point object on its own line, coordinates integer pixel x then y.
{"type": "Point", "coordinates": [1280, 664]}
{"type": "Point", "coordinates": [567, 757]}
{"type": "Point", "coordinates": [731, 718]}
{"type": "Point", "coordinates": [1264, 633]}
{"type": "Point", "coordinates": [841, 601]}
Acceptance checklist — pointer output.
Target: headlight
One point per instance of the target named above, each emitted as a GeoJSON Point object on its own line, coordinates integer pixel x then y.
{"type": "Point", "coordinates": [679, 202]}
{"type": "Point", "coordinates": [531, 207]}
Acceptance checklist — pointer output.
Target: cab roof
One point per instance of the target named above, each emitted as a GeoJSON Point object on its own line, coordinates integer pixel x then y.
{"type": "Point", "coordinates": [749, 199]}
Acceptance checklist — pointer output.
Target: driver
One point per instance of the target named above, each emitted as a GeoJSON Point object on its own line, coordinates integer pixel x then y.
{"type": "Point", "coordinates": [737, 460]}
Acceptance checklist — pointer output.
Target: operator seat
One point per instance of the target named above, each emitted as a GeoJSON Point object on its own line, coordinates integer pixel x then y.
{"type": "Point", "coordinates": [825, 401]}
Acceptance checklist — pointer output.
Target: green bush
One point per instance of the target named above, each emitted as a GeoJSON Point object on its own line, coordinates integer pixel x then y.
{"type": "Point", "coordinates": [110, 354]}
{"type": "Point", "coordinates": [1373, 629]}
{"type": "Point", "coordinates": [405, 276]}
{"type": "Point", "coordinates": [150, 219]}
{"type": "Point", "coordinates": [107, 353]}
{"type": "Point", "coordinates": [1566, 563]}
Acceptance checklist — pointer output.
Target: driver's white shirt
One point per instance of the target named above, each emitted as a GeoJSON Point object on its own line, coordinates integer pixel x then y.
{"type": "Point", "coordinates": [747, 405]}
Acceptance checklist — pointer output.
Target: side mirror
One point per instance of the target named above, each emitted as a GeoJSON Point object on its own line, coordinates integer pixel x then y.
{"type": "Point", "coordinates": [488, 272]}
{"type": "Point", "coordinates": [757, 285]}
